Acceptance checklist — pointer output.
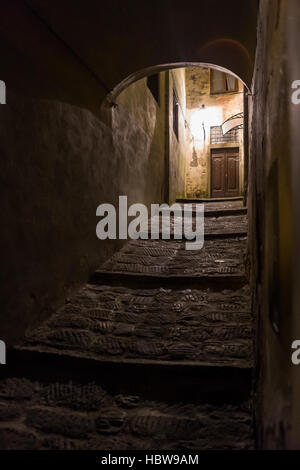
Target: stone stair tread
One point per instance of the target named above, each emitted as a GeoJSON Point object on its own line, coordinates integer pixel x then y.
{"type": "Point", "coordinates": [99, 360]}
{"type": "Point", "coordinates": [151, 313]}
{"type": "Point", "coordinates": [212, 211]}
{"type": "Point", "coordinates": [228, 226]}
{"type": "Point", "coordinates": [215, 208]}
{"type": "Point", "coordinates": [229, 203]}
{"type": "Point", "coordinates": [61, 415]}
{"type": "Point", "coordinates": [124, 324]}
{"type": "Point", "coordinates": [176, 281]}
{"type": "Point", "coordinates": [170, 258]}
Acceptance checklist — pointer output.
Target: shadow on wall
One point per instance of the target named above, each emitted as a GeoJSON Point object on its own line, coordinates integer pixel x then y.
{"type": "Point", "coordinates": [59, 162]}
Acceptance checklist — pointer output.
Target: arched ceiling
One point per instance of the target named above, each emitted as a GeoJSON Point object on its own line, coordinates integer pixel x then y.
{"type": "Point", "coordinates": [78, 51]}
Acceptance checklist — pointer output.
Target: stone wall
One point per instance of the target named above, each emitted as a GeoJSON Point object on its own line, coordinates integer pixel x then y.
{"type": "Point", "coordinates": [218, 108]}
{"type": "Point", "coordinates": [58, 163]}
{"type": "Point", "coordinates": [274, 223]}
{"type": "Point", "coordinates": [292, 25]}
{"type": "Point", "coordinates": [177, 146]}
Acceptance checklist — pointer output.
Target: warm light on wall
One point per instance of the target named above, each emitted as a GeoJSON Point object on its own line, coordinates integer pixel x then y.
{"type": "Point", "coordinates": [203, 118]}
{"type": "Point", "coordinates": [197, 123]}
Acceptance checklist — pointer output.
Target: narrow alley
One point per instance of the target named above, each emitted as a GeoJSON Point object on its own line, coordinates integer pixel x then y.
{"type": "Point", "coordinates": [102, 372]}
{"type": "Point", "coordinates": [120, 330]}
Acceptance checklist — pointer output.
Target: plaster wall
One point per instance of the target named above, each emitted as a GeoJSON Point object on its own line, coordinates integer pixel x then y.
{"type": "Point", "coordinates": [177, 146]}
{"type": "Point", "coordinates": [218, 108]}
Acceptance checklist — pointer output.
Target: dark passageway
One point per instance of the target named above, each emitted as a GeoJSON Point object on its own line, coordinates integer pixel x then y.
{"type": "Point", "coordinates": [112, 341]}
{"type": "Point", "coordinates": [156, 351]}
{"type": "Point", "coordinates": [167, 335]}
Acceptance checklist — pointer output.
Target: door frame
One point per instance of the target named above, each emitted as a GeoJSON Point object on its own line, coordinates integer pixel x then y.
{"type": "Point", "coordinates": [212, 149]}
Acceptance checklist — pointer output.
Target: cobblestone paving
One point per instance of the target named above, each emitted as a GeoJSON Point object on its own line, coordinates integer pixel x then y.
{"type": "Point", "coordinates": [170, 258]}
{"type": "Point", "coordinates": [222, 225]}
{"type": "Point", "coordinates": [220, 207]}
{"type": "Point", "coordinates": [186, 325]}
{"type": "Point", "coordinates": [174, 325]}
{"type": "Point", "coordinates": [84, 416]}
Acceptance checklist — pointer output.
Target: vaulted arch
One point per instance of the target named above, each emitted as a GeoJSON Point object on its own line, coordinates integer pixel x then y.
{"type": "Point", "coordinates": [79, 52]}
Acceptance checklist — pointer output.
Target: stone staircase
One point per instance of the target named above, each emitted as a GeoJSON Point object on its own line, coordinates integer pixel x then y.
{"type": "Point", "coordinates": [155, 352]}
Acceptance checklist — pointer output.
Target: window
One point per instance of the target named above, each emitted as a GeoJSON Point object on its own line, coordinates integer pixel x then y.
{"type": "Point", "coordinates": [222, 82]}
{"type": "Point", "coordinates": [175, 115]}
{"type": "Point", "coordinates": [217, 137]}
{"type": "Point", "coordinates": [153, 85]}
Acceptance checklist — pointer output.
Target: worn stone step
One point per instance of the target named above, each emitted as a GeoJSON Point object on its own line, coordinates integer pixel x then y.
{"type": "Point", "coordinates": [214, 209]}
{"type": "Point", "coordinates": [170, 259]}
{"type": "Point", "coordinates": [149, 327]}
{"type": "Point", "coordinates": [223, 200]}
{"type": "Point", "coordinates": [199, 382]}
{"type": "Point", "coordinates": [214, 227]}
{"type": "Point", "coordinates": [212, 212]}
{"type": "Point", "coordinates": [225, 212]}
{"type": "Point", "coordinates": [155, 353]}
{"type": "Point", "coordinates": [65, 414]}
{"type": "Point", "coordinates": [148, 338]}
{"type": "Point", "coordinates": [219, 264]}
{"type": "Point", "coordinates": [208, 236]}
{"type": "Point", "coordinates": [176, 281]}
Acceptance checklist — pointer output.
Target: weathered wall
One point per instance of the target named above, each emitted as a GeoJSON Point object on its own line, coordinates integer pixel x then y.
{"type": "Point", "coordinates": [293, 28]}
{"type": "Point", "coordinates": [177, 147]}
{"type": "Point", "coordinates": [58, 163]}
{"type": "Point", "coordinates": [273, 201]}
{"type": "Point", "coordinates": [218, 108]}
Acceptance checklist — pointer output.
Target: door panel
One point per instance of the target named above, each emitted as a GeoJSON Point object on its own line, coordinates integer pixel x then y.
{"type": "Point", "coordinates": [225, 172]}
{"type": "Point", "coordinates": [218, 179]}
{"type": "Point", "coordinates": [232, 174]}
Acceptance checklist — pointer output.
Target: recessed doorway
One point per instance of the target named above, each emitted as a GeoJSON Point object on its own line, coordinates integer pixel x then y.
{"type": "Point", "coordinates": [224, 172]}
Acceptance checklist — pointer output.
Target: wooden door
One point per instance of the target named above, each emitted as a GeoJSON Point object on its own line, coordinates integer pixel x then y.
{"type": "Point", "coordinates": [224, 172]}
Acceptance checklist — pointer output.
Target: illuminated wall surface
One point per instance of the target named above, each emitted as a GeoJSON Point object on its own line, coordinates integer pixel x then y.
{"type": "Point", "coordinates": [206, 110]}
